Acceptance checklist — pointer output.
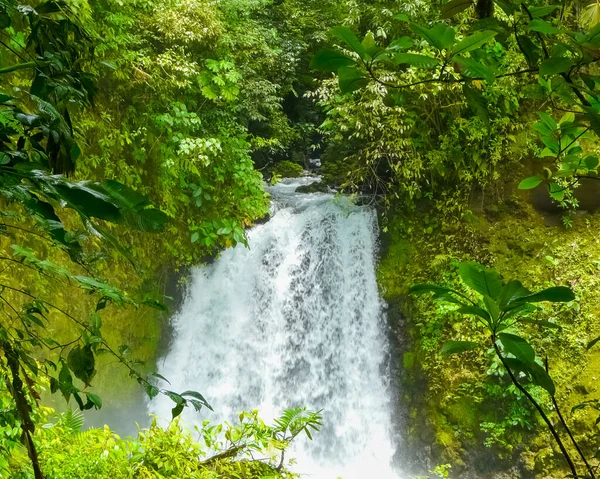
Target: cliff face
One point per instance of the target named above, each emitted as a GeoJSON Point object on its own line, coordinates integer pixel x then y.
{"type": "Point", "coordinates": [461, 410]}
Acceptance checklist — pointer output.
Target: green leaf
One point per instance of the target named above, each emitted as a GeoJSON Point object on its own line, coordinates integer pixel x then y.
{"type": "Point", "coordinates": [592, 343]}
{"type": "Point", "coordinates": [454, 7]}
{"type": "Point", "coordinates": [455, 347]}
{"type": "Point", "coordinates": [330, 60]}
{"type": "Point", "coordinates": [82, 363]}
{"type": "Point", "coordinates": [541, 323]}
{"type": "Point", "coordinates": [554, 65]}
{"type": "Point", "coordinates": [473, 41]}
{"type": "Point", "coordinates": [414, 59]}
{"type": "Point", "coordinates": [518, 347]}
{"type": "Point", "coordinates": [439, 292]}
{"type": "Point", "coordinates": [530, 183]}
{"type": "Point", "coordinates": [350, 39]}
{"type": "Point", "coordinates": [95, 400]}
{"type": "Point", "coordinates": [176, 411]}
{"type": "Point", "coordinates": [591, 162]}
{"type": "Point", "coordinates": [531, 51]}
{"type": "Point", "coordinates": [483, 280]}
{"type": "Point", "coordinates": [542, 26]}
{"type": "Point", "coordinates": [539, 376]}
{"type": "Point", "coordinates": [511, 291]}
{"type": "Point", "coordinates": [492, 307]}
{"type": "Point", "coordinates": [439, 36]}
{"type": "Point", "coordinates": [556, 294]}
{"type": "Point", "coordinates": [351, 79]}
{"type": "Point", "coordinates": [477, 104]}
{"type": "Point", "coordinates": [471, 68]}
{"type": "Point", "coordinates": [506, 6]}
{"type": "Point", "coordinates": [538, 12]}
{"type": "Point", "coordinates": [476, 311]}
{"type": "Point", "coordinates": [401, 43]}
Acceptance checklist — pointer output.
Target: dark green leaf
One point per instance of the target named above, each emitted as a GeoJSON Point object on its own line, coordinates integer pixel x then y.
{"type": "Point", "coordinates": [414, 59]}
{"type": "Point", "coordinates": [349, 38]}
{"type": "Point", "coordinates": [556, 294]}
{"type": "Point", "coordinates": [506, 6]}
{"type": "Point", "coordinates": [473, 41]}
{"type": "Point", "coordinates": [518, 347]}
{"type": "Point", "coordinates": [541, 26]}
{"type": "Point", "coordinates": [538, 375]}
{"type": "Point", "coordinates": [94, 399]}
{"type": "Point", "coordinates": [82, 363]}
{"type": "Point", "coordinates": [538, 12]}
{"type": "Point", "coordinates": [471, 68]}
{"type": "Point", "coordinates": [540, 323]}
{"type": "Point", "coordinates": [592, 343]}
{"type": "Point", "coordinates": [439, 36]}
{"type": "Point", "coordinates": [454, 7]}
{"type": "Point", "coordinates": [483, 280]}
{"type": "Point", "coordinates": [351, 79]}
{"type": "Point", "coordinates": [330, 60]}
{"type": "Point", "coordinates": [555, 65]}
{"type": "Point", "coordinates": [476, 311]}
{"type": "Point", "coordinates": [455, 347]}
{"type": "Point", "coordinates": [176, 411]}
{"type": "Point", "coordinates": [401, 43]}
{"type": "Point", "coordinates": [531, 51]}
{"type": "Point", "coordinates": [511, 291]}
{"type": "Point", "coordinates": [477, 104]}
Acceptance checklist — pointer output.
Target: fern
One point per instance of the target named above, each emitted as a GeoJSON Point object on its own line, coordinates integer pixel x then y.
{"type": "Point", "coordinates": [72, 420]}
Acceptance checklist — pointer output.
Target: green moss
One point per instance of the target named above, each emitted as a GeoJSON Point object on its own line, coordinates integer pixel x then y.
{"type": "Point", "coordinates": [514, 239]}
{"type": "Point", "coordinates": [288, 169]}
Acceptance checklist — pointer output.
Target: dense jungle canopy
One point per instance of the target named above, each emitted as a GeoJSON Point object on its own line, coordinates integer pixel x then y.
{"type": "Point", "coordinates": [138, 139]}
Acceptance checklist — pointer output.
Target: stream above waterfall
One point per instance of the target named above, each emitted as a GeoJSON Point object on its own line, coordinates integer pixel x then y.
{"type": "Point", "coordinates": [295, 319]}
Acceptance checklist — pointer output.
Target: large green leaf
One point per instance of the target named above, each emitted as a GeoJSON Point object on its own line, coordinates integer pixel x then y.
{"type": "Point", "coordinates": [439, 293]}
{"type": "Point", "coordinates": [350, 39]}
{"type": "Point", "coordinates": [330, 60]}
{"type": "Point", "coordinates": [455, 347]}
{"type": "Point", "coordinates": [477, 104]}
{"type": "Point", "coordinates": [518, 347]}
{"type": "Point", "coordinates": [439, 36]}
{"type": "Point", "coordinates": [476, 311]}
{"type": "Point", "coordinates": [351, 79]}
{"type": "Point", "coordinates": [556, 294]}
{"type": "Point", "coordinates": [538, 375]}
{"type": "Point", "coordinates": [454, 7]}
{"type": "Point", "coordinates": [511, 291]}
{"type": "Point", "coordinates": [471, 68]}
{"type": "Point", "coordinates": [414, 59]}
{"type": "Point", "coordinates": [542, 26]}
{"type": "Point", "coordinates": [483, 280]}
{"type": "Point", "coordinates": [473, 41]}
{"type": "Point", "coordinates": [82, 363]}
{"type": "Point", "coordinates": [554, 65]}
{"type": "Point", "coordinates": [538, 12]}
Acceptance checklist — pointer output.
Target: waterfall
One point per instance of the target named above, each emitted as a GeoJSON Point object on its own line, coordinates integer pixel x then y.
{"type": "Point", "coordinates": [294, 320]}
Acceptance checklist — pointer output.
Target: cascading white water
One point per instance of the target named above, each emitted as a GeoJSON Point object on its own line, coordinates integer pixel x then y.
{"type": "Point", "coordinates": [294, 320]}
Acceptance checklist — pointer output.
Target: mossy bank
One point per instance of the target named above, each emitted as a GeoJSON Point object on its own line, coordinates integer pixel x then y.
{"type": "Point", "coordinates": [459, 410]}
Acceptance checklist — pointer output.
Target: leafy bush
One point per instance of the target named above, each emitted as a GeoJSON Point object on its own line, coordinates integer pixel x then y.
{"type": "Point", "coordinates": [249, 450]}
{"type": "Point", "coordinates": [288, 169]}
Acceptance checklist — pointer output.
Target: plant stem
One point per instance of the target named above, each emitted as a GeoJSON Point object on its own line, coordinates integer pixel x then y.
{"type": "Point", "coordinates": [539, 409]}
{"type": "Point", "coordinates": [564, 423]}
{"type": "Point", "coordinates": [16, 390]}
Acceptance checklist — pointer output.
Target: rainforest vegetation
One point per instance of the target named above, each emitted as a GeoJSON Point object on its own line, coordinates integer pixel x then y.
{"type": "Point", "coordinates": [136, 139]}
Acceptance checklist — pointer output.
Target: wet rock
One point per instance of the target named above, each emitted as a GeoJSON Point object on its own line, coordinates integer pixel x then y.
{"type": "Point", "coordinates": [316, 187]}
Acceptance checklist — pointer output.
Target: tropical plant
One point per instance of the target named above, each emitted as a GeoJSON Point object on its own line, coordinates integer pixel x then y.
{"type": "Point", "coordinates": [500, 309]}
{"type": "Point", "coordinates": [534, 47]}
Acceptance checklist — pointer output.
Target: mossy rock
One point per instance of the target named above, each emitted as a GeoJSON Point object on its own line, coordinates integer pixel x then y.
{"type": "Point", "coordinates": [288, 169]}
{"type": "Point", "coordinates": [316, 187]}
